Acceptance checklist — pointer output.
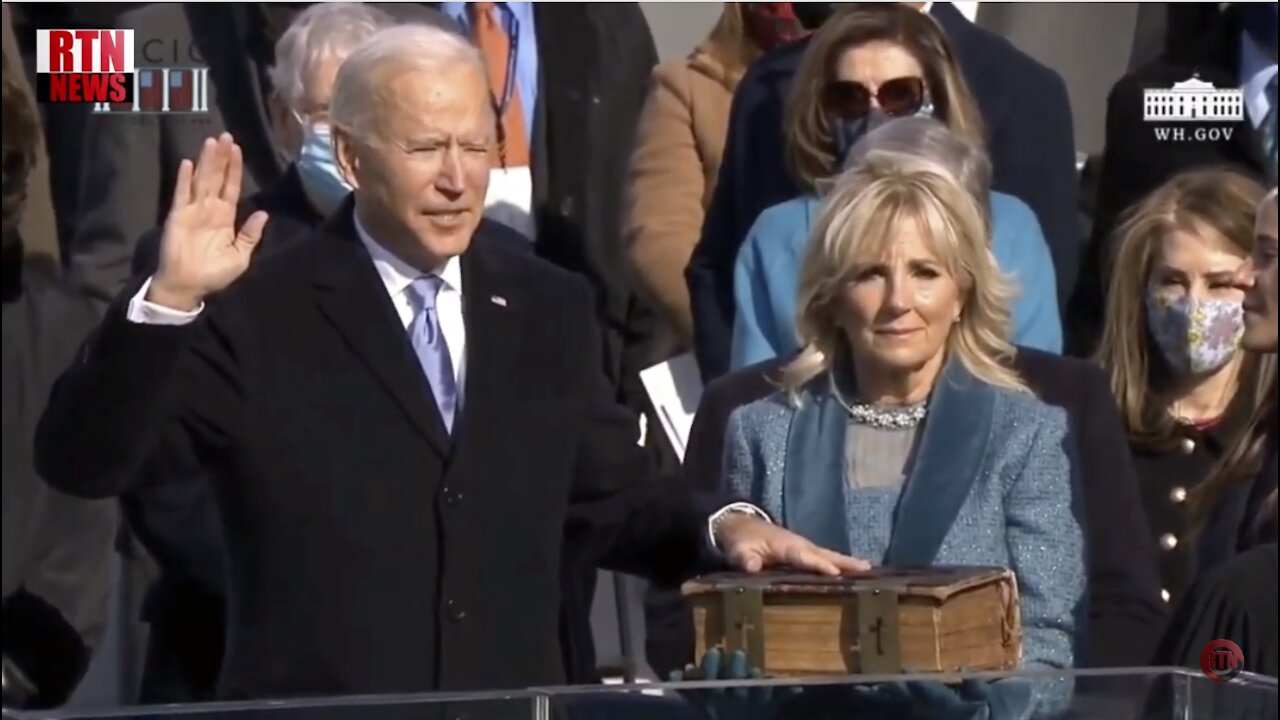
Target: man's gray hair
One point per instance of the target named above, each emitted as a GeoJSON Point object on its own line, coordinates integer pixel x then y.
{"type": "Point", "coordinates": [321, 33]}
{"type": "Point", "coordinates": [932, 140]}
{"type": "Point", "coordinates": [428, 48]}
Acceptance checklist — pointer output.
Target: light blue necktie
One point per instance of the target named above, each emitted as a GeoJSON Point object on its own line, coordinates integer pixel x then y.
{"type": "Point", "coordinates": [432, 349]}
{"type": "Point", "coordinates": [1269, 131]}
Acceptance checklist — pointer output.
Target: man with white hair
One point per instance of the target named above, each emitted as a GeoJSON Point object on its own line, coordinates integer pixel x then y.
{"type": "Point", "coordinates": [173, 512]}
{"type": "Point", "coordinates": [407, 421]}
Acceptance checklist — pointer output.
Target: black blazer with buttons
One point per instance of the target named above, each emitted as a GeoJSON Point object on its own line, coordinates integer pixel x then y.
{"type": "Point", "coordinates": [1167, 473]}
{"type": "Point", "coordinates": [368, 550]}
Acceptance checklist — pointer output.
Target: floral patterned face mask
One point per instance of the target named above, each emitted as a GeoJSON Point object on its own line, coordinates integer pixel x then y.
{"type": "Point", "coordinates": [1196, 335]}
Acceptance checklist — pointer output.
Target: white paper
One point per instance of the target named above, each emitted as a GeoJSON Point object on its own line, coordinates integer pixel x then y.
{"type": "Point", "coordinates": [968, 9]}
{"type": "Point", "coordinates": [674, 387]}
{"type": "Point", "coordinates": [510, 199]}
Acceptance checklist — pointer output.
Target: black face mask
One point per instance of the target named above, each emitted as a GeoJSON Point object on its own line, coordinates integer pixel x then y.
{"type": "Point", "coordinates": [849, 132]}
{"type": "Point", "coordinates": [813, 14]}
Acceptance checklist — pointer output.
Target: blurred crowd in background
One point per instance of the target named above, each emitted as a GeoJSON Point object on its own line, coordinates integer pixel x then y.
{"type": "Point", "coordinates": [686, 193]}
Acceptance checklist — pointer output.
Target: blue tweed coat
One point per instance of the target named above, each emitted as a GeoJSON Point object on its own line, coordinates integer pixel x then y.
{"type": "Point", "coordinates": [992, 484]}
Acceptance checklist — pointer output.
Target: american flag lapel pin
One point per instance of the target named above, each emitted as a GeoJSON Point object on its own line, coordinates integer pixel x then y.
{"type": "Point", "coordinates": [498, 300]}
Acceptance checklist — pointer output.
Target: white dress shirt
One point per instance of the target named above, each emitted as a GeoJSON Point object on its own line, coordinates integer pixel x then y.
{"type": "Point", "coordinates": [396, 276]}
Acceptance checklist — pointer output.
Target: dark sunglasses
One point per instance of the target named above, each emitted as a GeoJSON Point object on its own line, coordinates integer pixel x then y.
{"type": "Point", "coordinates": [851, 100]}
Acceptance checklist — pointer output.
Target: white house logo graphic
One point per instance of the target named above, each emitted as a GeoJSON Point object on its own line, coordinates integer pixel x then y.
{"type": "Point", "coordinates": [1193, 100]}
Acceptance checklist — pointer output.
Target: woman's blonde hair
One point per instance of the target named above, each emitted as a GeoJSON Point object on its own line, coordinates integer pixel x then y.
{"type": "Point", "coordinates": [730, 45]}
{"type": "Point", "coordinates": [1213, 201]}
{"type": "Point", "coordinates": [859, 218]}
{"type": "Point", "coordinates": [810, 132]}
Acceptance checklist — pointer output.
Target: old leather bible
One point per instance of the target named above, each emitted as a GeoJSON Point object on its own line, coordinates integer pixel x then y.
{"type": "Point", "coordinates": [938, 619]}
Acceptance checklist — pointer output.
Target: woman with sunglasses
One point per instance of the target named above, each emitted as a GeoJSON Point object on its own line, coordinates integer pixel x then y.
{"type": "Point", "coordinates": [863, 69]}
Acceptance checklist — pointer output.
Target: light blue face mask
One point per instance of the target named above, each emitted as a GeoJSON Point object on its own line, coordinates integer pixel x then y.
{"type": "Point", "coordinates": [319, 170]}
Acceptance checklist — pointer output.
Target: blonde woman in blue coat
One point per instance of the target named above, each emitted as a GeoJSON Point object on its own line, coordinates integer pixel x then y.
{"type": "Point", "coordinates": [899, 433]}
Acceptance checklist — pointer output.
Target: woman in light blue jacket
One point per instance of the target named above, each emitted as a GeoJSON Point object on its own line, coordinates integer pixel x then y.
{"type": "Point", "coordinates": [824, 123]}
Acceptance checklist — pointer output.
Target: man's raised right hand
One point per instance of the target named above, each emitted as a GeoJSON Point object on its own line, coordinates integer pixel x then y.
{"type": "Point", "coordinates": [200, 250]}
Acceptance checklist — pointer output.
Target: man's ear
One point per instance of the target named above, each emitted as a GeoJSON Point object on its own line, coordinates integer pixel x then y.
{"type": "Point", "coordinates": [346, 153]}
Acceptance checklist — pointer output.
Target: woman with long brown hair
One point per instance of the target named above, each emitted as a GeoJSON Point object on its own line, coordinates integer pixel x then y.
{"type": "Point", "coordinates": [679, 142]}
{"type": "Point", "coordinates": [1171, 344]}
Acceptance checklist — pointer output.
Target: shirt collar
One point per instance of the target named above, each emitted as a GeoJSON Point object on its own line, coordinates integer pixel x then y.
{"type": "Point", "coordinates": [397, 275]}
{"type": "Point", "coordinates": [1256, 70]}
{"type": "Point", "coordinates": [521, 11]}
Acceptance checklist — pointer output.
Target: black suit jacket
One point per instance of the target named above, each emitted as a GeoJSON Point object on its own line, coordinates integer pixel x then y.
{"type": "Point", "coordinates": [1126, 615]}
{"type": "Point", "coordinates": [1135, 162]}
{"type": "Point", "coordinates": [173, 513]}
{"type": "Point", "coordinates": [1030, 139]}
{"type": "Point", "coordinates": [370, 551]}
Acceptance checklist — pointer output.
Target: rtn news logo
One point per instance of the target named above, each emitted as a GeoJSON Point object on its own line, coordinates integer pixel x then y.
{"type": "Point", "coordinates": [97, 67]}
{"type": "Point", "coordinates": [1194, 134]}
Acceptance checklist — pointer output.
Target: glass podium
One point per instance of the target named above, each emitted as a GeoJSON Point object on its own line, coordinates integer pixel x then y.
{"type": "Point", "coordinates": [1110, 694]}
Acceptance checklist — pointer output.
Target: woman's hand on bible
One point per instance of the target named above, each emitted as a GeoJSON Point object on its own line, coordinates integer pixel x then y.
{"type": "Point", "coordinates": [752, 544]}
{"type": "Point", "coordinates": [201, 252]}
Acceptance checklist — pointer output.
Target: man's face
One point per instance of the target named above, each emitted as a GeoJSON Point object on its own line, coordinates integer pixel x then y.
{"type": "Point", "coordinates": [420, 178]}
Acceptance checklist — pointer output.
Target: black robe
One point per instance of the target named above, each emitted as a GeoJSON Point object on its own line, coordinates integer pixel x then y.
{"type": "Point", "coordinates": [1236, 601]}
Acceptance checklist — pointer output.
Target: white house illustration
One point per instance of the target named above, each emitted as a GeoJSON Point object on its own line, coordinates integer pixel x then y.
{"type": "Point", "coordinates": [1193, 99]}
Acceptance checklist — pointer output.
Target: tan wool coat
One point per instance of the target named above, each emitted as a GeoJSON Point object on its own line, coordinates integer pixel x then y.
{"type": "Point", "coordinates": [674, 166]}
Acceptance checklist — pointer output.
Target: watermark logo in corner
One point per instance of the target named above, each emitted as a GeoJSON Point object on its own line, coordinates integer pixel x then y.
{"type": "Point", "coordinates": [97, 67]}
{"type": "Point", "coordinates": [1221, 660]}
{"type": "Point", "coordinates": [1213, 111]}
